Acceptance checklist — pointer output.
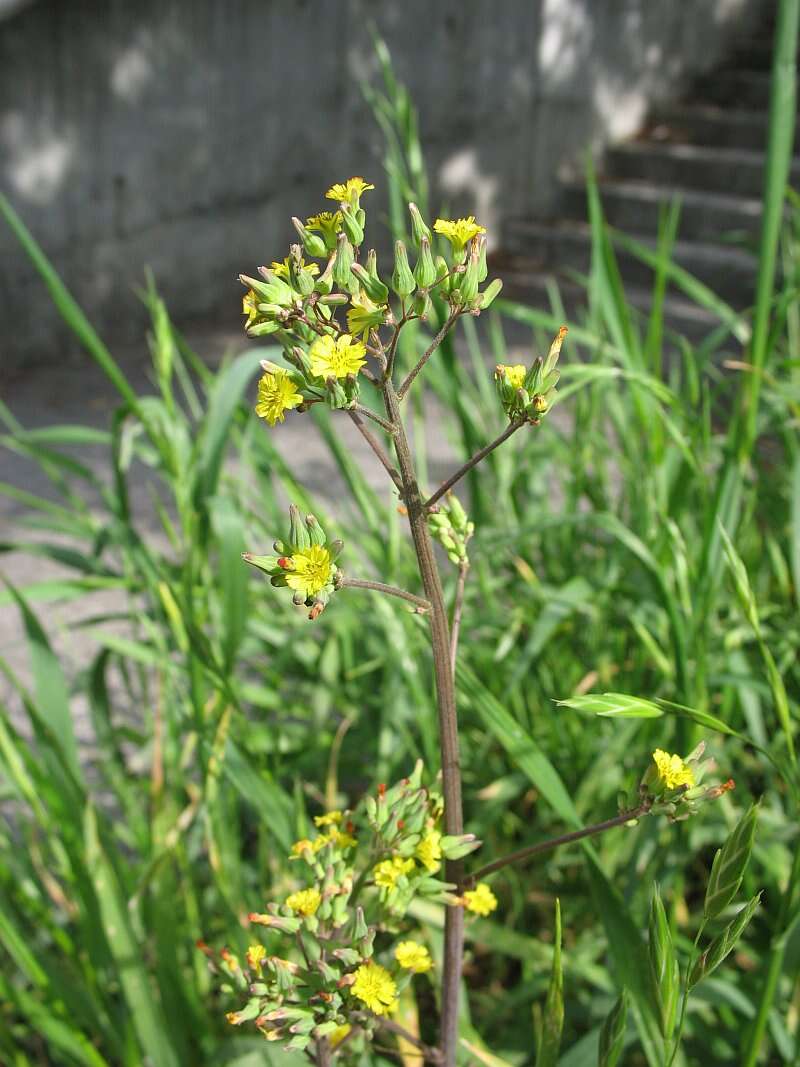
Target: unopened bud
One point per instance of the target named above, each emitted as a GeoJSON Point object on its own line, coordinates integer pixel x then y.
{"type": "Point", "coordinates": [312, 243]}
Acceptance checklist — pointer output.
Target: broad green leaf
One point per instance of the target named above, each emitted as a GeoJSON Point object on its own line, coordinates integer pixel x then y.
{"type": "Point", "coordinates": [729, 865]}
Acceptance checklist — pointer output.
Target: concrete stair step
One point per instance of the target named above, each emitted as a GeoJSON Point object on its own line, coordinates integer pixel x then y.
{"type": "Point", "coordinates": [634, 207]}
{"type": "Point", "coordinates": [735, 171]}
{"type": "Point", "coordinates": [749, 88]}
{"type": "Point", "coordinates": [566, 246]}
{"type": "Point", "coordinates": [710, 127]}
{"type": "Point", "coordinates": [525, 282]}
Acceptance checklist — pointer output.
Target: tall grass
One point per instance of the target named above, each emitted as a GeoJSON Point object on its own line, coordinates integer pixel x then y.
{"type": "Point", "coordinates": [219, 720]}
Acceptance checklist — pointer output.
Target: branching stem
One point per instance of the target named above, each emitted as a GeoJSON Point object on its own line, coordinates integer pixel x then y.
{"type": "Point", "coordinates": [375, 445]}
{"type": "Point", "coordinates": [368, 413]}
{"type": "Point", "coordinates": [391, 590]}
{"type": "Point", "coordinates": [440, 336]}
{"type": "Point", "coordinates": [523, 854]}
{"type": "Point", "coordinates": [474, 461]}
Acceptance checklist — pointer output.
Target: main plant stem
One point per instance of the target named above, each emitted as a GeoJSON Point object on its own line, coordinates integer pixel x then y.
{"type": "Point", "coordinates": [448, 723]}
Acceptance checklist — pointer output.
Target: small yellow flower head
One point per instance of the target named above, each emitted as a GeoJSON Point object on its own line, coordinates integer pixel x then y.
{"type": "Point", "coordinates": [364, 316]}
{"type": "Point", "coordinates": [256, 955]}
{"type": "Point", "coordinates": [413, 957]}
{"type": "Point", "coordinates": [299, 848]}
{"type": "Point", "coordinates": [458, 232]}
{"type": "Point", "coordinates": [328, 223]}
{"type": "Point", "coordinates": [375, 987]}
{"type": "Point", "coordinates": [341, 840]}
{"type": "Point", "coordinates": [429, 851]}
{"type": "Point", "coordinates": [310, 570]}
{"type": "Point", "coordinates": [250, 307]}
{"type": "Point", "coordinates": [277, 394]}
{"type": "Point", "coordinates": [672, 771]}
{"type": "Point", "coordinates": [515, 376]}
{"type": "Point", "coordinates": [336, 357]}
{"type": "Point", "coordinates": [387, 872]}
{"type": "Point", "coordinates": [330, 818]}
{"type": "Point", "coordinates": [337, 1036]}
{"type": "Point", "coordinates": [282, 269]}
{"type": "Point", "coordinates": [481, 899]}
{"type": "Point", "coordinates": [305, 902]}
{"type": "Point", "coordinates": [348, 192]}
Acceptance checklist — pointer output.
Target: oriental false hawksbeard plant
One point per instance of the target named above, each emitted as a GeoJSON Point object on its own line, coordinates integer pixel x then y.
{"type": "Point", "coordinates": [339, 950]}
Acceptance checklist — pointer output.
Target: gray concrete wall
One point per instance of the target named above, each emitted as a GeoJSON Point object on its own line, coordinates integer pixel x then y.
{"type": "Point", "coordinates": [182, 134]}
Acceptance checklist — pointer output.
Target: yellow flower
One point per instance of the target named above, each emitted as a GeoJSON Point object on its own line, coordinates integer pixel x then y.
{"type": "Point", "coordinates": [481, 899]}
{"type": "Point", "coordinates": [328, 223]}
{"type": "Point", "coordinates": [337, 1036]}
{"type": "Point", "coordinates": [305, 902]}
{"type": "Point", "coordinates": [256, 955]}
{"type": "Point", "coordinates": [459, 232]}
{"type": "Point", "coordinates": [250, 307]}
{"type": "Point", "coordinates": [364, 316]}
{"type": "Point", "coordinates": [348, 192]}
{"type": "Point", "coordinates": [341, 840]}
{"type": "Point", "coordinates": [336, 358]}
{"type": "Point", "coordinates": [300, 847]}
{"type": "Point", "coordinates": [375, 987]}
{"type": "Point", "coordinates": [330, 818]}
{"type": "Point", "coordinates": [413, 957]}
{"type": "Point", "coordinates": [388, 871]}
{"type": "Point", "coordinates": [311, 570]}
{"type": "Point", "coordinates": [282, 269]}
{"type": "Point", "coordinates": [672, 771]}
{"type": "Point", "coordinates": [515, 376]}
{"type": "Point", "coordinates": [429, 851]}
{"type": "Point", "coordinates": [277, 394]}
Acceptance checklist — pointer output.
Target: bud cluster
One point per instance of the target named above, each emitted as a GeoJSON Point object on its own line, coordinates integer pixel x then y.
{"type": "Point", "coordinates": [528, 393]}
{"type": "Point", "coordinates": [451, 527]}
{"type": "Point", "coordinates": [671, 785]}
{"type": "Point", "coordinates": [318, 974]}
{"type": "Point", "coordinates": [305, 562]}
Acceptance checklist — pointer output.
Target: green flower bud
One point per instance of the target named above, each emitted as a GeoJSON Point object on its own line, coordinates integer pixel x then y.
{"type": "Point", "coordinates": [422, 304]}
{"type": "Point", "coordinates": [419, 230]}
{"type": "Point", "coordinates": [263, 563]}
{"type": "Point", "coordinates": [468, 285]}
{"type": "Point", "coordinates": [312, 243]}
{"type": "Point", "coordinates": [483, 268]}
{"type": "Point", "coordinates": [352, 228]}
{"type": "Point", "coordinates": [324, 282]}
{"type": "Point", "coordinates": [298, 533]}
{"type": "Point", "coordinates": [261, 329]}
{"type": "Point", "coordinates": [372, 285]}
{"type": "Point", "coordinates": [343, 263]}
{"type": "Point", "coordinates": [336, 396]}
{"type": "Point", "coordinates": [315, 532]}
{"type": "Point", "coordinates": [489, 294]}
{"type": "Point", "coordinates": [372, 262]}
{"type": "Point", "coordinates": [441, 274]}
{"type": "Point", "coordinates": [402, 278]}
{"type": "Point", "coordinates": [425, 270]}
{"type": "Point", "coordinates": [299, 358]}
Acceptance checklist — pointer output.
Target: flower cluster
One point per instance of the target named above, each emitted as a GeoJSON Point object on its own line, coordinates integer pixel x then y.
{"type": "Point", "coordinates": [671, 785]}
{"type": "Point", "coordinates": [306, 562]}
{"type": "Point", "coordinates": [298, 302]}
{"type": "Point", "coordinates": [527, 393]}
{"type": "Point", "coordinates": [320, 974]}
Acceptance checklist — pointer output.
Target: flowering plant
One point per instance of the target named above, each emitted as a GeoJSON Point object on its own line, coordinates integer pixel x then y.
{"type": "Point", "coordinates": [341, 947]}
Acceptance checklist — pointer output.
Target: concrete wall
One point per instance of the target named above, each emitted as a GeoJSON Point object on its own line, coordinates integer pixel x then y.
{"type": "Point", "coordinates": [182, 134]}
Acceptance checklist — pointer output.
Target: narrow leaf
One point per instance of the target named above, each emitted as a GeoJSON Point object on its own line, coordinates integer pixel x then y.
{"type": "Point", "coordinates": [729, 865]}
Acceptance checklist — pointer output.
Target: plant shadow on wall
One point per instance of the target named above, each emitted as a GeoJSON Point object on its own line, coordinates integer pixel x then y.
{"type": "Point", "coordinates": [344, 941]}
